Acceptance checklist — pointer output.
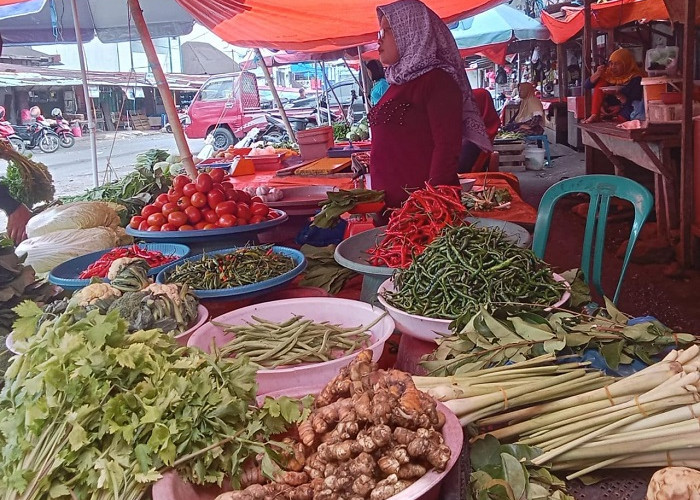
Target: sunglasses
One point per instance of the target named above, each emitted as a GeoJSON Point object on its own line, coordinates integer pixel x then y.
{"type": "Point", "coordinates": [382, 33]}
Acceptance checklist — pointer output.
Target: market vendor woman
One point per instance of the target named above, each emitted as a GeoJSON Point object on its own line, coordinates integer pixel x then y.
{"type": "Point", "coordinates": [626, 102]}
{"type": "Point", "coordinates": [420, 123]}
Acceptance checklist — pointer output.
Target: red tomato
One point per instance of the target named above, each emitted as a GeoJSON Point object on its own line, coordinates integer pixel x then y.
{"type": "Point", "coordinates": [272, 215]}
{"type": "Point", "coordinates": [193, 215]}
{"type": "Point", "coordinates": [243, 196]}
{"type": "Point", "coordinates": [256, 219]}
{"type": "Point", "coordinates": [210, 216]}
{"type": "Point", "coordinates": [243, 211]}
{"type": "Point", "coordinates": [211, 226]}
{"type": "Point", "coordinates": [143, 226]}
{"type": "Point", "coordinates": [186, 227]}
{"type": "Point", "coordinates": [199, 200]}
{"type": "Point", "coordinates": [136, 221]}
{"type": "Point", "coordinates": [180, 181]}
{"type": "Point", "coordinates": [227, 220]}
{"type": "Point", "coordinates": [260, 209]}
{"type": "Point", "coordinates": [231, 194]}
{"type": "Point", "coordinates": [241, 222]}
{"type": "Point", "coordinates": [214, 197]}
{"type": "Point", "coordinates": [189, 189]}
{"type": "Point", "coordinates": [204, 182]}
{"type": "Point", "coordinates": [217, 185]}
{"type": "Point", "coordinates": [226, 207]}
{"type": "Point", "coordinates": [200, 225]}
{"type": "Point", "coordinates": [226, 178]}
{"type": "Point", "coordinates": [148, 210]}
{"type": "Point", "coordinates": [177, 219]}
{"type": "Point", "coordinates": [169, 208]}
{"type": "Point", "coordinates": [174, 195]}
{"type": "Point", "coordinates": [156, 219]}
{"type": "Point", "coordinates": [162, 199]}
{"type": "Point", "coordinates": [256, 199]}
{"type": "Point", "coordinates": [183, 202]}
{"type": "Point", "coordinates": [217, 174]}
{"type": "Point", "coordinates": [153, 228]}
{"type": "Point", "coordinates": [168, 227]}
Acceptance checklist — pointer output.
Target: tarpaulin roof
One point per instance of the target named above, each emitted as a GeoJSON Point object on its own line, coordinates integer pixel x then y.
{"type": "Point", "coordinates": [497, 25]}
{"type": "Point", "coordinates": [604, 16]}
{"type": "Point", "coordinates": [44, 21]}
{"type": "Point", "coordinates": [308, 25]}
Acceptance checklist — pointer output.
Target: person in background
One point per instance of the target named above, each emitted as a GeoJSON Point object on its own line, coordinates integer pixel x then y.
{"type": "Point", "coordinates": [302, 93]}
{"type": "Point", "coordinates": [17, 215]}
{"type": "Point", "coordinates": [472, 158]}
{"type": "Point", "coordinates": [623, 105]}
{"type": "Point", "coordinates": [428, 112]}
{"type": "Point", "coordinates": [25, 117]}
{"type": "Point", "coordinates": [530, 116]}
{"type": "Point", "coordinates": [380, 86]}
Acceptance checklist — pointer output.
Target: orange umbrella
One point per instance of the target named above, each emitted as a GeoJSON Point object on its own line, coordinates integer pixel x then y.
{"type": "Point", "coordinates": [308, 25]}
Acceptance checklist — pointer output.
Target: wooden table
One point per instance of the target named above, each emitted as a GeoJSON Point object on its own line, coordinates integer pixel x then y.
{"type": "Point", "coordinates": [650, 148]}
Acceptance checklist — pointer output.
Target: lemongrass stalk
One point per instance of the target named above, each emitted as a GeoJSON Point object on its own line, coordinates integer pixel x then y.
{"type": "Point", "coordinates": [623, 387]}
{"type": "Point", "coordinates": [469, 405]}
{"type": "Point", "coordinates": [553, 392]}
{"type": "Point", "coordinates": [552, 444]}
{"type": "Point", "coordinates": [663, 458]}
{"type": "Point", "coordinates": [668, 417]}
{"type": "Point", "coordinates": [600, 465]}
{"type": "Point", "coordinates": [676, 429]}
{"type": "Point", "coordinates": [604, 425]}
{"type": "Point", "coordinates": [650, 444]}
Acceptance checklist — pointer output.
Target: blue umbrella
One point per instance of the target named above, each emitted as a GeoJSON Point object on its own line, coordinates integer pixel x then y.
{"type": "Point", "coordinates": [497, 25]}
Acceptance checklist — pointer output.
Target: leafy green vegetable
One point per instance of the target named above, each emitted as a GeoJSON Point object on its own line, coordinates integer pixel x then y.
{"type": "Point", "coordinates": [90, 411]}
{"type": "Point", "coordinates": [516, 333]}
{"type": "Point", "coordinates": [342, 201]}
{"type": "Point", "coordinates": [505, 472]}
{"type": "Point", "coordinates": [27, 181]}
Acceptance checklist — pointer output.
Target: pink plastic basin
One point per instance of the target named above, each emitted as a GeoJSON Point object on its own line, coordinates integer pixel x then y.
{"type": "Point", "coordinates": [339, 311]}
{"type": "Point", "coordinates": [171, 487]}
{"type": "Point", "coordinates": [202, 317]}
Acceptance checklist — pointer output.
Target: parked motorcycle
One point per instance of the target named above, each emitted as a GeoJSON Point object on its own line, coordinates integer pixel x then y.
{"type": "Point", "coordinates": [276, 132]}
{"type": "Point", "coordinates": [38, 135]}
{"type": "Point", "coordinates": [7, 132]}
{"type": "Point", "coordinates": [62, 129]}
{"type": "Point", "coordinates": [184, 120]}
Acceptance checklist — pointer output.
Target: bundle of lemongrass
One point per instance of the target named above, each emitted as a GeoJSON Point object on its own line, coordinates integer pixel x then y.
{"type": "Point", "coordinates": [649, 419]}
{"type": "Point", "coordinates": [478, 394]}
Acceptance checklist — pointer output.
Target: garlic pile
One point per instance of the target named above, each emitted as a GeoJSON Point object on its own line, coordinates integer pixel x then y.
{"type": "Point", "coordinates": [265, 193]}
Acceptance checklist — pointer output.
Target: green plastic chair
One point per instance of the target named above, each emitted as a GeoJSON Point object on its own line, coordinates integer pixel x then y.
{"type": "Point", "coordinates": [600, 188]}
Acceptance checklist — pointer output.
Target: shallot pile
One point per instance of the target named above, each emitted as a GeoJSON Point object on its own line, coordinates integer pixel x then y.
{"type": "Point", "coordinates": [371, 435]}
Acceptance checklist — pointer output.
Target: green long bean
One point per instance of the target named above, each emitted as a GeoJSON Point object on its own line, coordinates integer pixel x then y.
{"type": "Point", "coordinates": [467, 267]}
{"type": "Point", "coordinates": [295, 341]}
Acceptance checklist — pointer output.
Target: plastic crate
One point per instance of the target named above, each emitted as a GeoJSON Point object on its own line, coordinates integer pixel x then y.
{"type": "Point", "coordinates": [658, 112]}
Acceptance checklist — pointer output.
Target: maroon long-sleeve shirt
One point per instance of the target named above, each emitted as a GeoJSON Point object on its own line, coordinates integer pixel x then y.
{"type": "Point", "coordinates": [416, 136]}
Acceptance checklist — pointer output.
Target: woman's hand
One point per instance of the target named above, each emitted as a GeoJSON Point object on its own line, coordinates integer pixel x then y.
{"type": "Point", "coordinates": [17, 224]}
{"type": "Point", "coordinates": [598, 74]}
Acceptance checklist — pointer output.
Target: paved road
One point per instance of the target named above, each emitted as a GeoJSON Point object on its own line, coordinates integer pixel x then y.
{"type": "Point", "coordinates": [72, 169]}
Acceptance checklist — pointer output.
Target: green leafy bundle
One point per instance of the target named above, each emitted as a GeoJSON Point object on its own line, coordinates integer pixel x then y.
{"type": "Point", "coordinates": [135, 189]}
{"type": "Point", "coordinates": [515, 333]}
{"type": "Point", "coordinates": [323, 271]}
{"type": "Point", "coordinates": [90, 411]}
{"type": "Point", "coordinates": [505, 472]}
{"type": "Point", "coordinates": [27, 181]}
{"type": "Point", "coordinates": [342, 201]}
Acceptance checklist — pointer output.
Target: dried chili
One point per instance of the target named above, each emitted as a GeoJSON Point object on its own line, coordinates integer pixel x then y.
{"type": "Point", "coordinates": [100, 267]}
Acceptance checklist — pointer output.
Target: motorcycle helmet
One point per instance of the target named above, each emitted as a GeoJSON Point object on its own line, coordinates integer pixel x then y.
{"type": "Point", "coordinates": [2, 113]}
{"type": "Point", "coordinates": [35, 111]}
{"type": "Point", "coordinates": [56, 112]}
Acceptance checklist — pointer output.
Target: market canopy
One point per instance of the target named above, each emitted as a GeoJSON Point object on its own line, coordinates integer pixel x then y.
{"type": "Point", "coordinates": [604, 16]}
{"type": "Point", "coordinates": [308, 25]}
{"type": "Point", "coordinates": [49, 21]}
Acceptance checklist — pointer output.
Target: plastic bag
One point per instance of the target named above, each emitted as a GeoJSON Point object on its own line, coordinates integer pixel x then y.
{"type": "Point", "coordinates": [78, 215]}
{"type": "Point", "coordinates": [48, 251]}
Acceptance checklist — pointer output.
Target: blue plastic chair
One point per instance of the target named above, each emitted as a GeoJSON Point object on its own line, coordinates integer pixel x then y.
{"type": "Point", "coordinates": [600, 188]}
{"type": "Point", "coordinates": [545, 144]}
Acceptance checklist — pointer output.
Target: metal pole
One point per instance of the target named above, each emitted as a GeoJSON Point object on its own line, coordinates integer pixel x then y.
{"type": "Point", "coordinates": [318, 103]}
{"type": "Point", "coordinates": [325, 92]}
{"type": "Point", "coordinates": [586, 71]}
{"type": "Point", "coordinates": [86, 92]}
{"type": "Point", "coordinates": [163, 87]}
{"type": "Point", "coordinates": [363, 79]}
{"type": "Point", "coordinates": [275, 96]}
{"type": "Point", "coordinates": [335, 96]}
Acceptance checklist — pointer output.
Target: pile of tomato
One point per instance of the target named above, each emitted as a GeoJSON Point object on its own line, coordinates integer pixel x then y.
{"type": "Point", "coordinates": [209, 202]}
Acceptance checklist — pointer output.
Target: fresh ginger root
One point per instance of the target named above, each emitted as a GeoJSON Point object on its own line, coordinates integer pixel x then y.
{"type": "Point", "coordinates": [371, 434]}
